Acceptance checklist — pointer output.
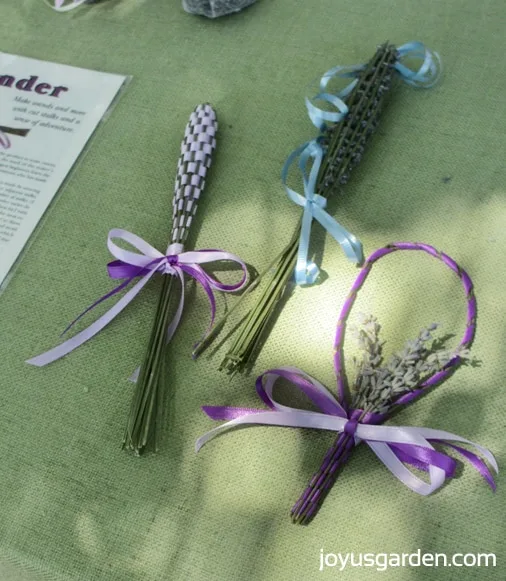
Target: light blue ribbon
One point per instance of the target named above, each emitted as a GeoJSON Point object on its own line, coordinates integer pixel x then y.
{"type": "Point", "coordinates": [314, 207]}
{"type": "Point", "coordinates": [430, 70]}
{"type": "Point", "coordinates": [318, 116]}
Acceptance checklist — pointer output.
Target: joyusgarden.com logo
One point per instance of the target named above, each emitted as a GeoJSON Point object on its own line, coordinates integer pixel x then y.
{"type": "Point", "coordinates": [384, 561]}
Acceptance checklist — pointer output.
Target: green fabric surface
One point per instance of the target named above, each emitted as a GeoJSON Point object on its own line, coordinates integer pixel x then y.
{"type": "Point", "coordinates": [73, 505]}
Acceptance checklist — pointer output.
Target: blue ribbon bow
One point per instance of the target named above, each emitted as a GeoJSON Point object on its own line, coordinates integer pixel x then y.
{"type": "Point", "coordinates": [314, 207]}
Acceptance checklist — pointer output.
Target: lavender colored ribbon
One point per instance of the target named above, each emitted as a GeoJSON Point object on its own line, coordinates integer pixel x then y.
{"type": "Point", "coordinates": [393, 445]}
{"type": "Point", "coordinates": [5, 142]}
{"type": "Point", "coordinates": [130, 265]}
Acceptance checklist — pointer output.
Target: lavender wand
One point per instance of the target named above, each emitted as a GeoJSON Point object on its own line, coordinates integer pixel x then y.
{"type": "Point", "coordinates": [380, 390]}
{"type": "Point", "coordinates": [146, 412]}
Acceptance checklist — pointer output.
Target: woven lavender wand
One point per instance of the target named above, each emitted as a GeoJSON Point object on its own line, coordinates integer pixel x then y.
{"type": "Point", "coordinates": [146, 413]}
{"type": "Point", "coordinates": [335, 153]}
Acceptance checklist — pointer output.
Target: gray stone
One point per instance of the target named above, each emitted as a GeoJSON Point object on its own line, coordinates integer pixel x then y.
{"type": "Point", "coordinates": [215, 8]}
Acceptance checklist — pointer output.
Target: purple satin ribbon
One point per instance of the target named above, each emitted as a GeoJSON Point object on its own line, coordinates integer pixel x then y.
{"type": "Point", "coordinates": [130, 265]}
{"type": "Point", "coordinates": [395, 446]}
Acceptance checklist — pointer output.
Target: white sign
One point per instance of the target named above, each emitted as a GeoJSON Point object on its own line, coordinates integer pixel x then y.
{"type": "Point", "coordinates": [48, 112]}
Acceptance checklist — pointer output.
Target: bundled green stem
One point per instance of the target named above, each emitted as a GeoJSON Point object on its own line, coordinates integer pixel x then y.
{"type": "Point", "coordinates": [344, 144]}
{"type": "Point", "coordinates": [145, 418]}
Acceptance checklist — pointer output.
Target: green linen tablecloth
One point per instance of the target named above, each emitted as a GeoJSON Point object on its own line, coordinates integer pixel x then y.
{"type": "Point", "coordinates": [73, 505]}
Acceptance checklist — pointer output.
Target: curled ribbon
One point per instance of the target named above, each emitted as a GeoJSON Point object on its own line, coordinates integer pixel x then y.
{"type": "Point", "coordinates": [314, 207]}
{"type": "Point", "coordinates": [395, 446]}
{"type": "Point", "coordinates": [428, 73]}
{"type": "Point", "coordinates": [426, 76]}
{"type": "Point", "coordinates": [5, 142]}
{"type": "Point", "coordinates": [318, 116]}
{"type": "Point", "coordinates": [130, 265]}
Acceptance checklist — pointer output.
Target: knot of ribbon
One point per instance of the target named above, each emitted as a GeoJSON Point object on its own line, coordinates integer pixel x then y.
{"type": "Point", "coordinates": [144, 264]}
{"type": "Point", "coordinates": [395, 446]}
{"type": "Point", "coordinates": [350, 427]}
{"type": "Point", "coordinates": [425, 76]}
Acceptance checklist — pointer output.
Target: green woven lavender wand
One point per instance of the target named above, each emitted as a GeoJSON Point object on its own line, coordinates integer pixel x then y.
{"type": "Point", "coordinates": [344, 135]}
{"type": "Point", "coordinates": [379, 390]}
{"type": "Point", "coordinates": [153, 381]}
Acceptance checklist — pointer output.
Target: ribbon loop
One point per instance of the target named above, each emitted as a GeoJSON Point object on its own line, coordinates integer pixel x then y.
{"type": "Point", "coordinates": [130, 265]}
{"type": "Point", "coordinates": [320, 117]}
{"type": "Point", "coordinates": [395, 446]}
{"type": "Point", "coordinates": [430, 68]}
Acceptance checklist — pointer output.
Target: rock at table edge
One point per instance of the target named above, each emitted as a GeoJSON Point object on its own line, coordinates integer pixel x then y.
{"type": "Point", "coordinates": [215, 8]}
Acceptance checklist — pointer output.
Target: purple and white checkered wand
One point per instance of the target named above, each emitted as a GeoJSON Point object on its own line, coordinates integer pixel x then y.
{"type": "Point", "coordinates": [146, 412]}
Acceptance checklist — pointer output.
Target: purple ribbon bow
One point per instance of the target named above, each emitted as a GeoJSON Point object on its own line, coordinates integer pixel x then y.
{"type": "Point", "coordinates": [130, 265]}
{"type": "Point", "coordinates": [395, 446]}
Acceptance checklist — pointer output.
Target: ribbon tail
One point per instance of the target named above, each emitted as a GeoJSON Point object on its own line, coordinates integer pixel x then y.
{"type": "Point", "coordinates": [351, 246]}
{"type": "Point", "coordinates": [242, 420]}
{"type": "Point", "coordinates": [71, 344]}
{"type": "Point", "coordinates": [59, 7]}
{"type": "Point", "coordinates": [305, 273]}
{"type": "Point", "coordinates": [397, 468]}
{"type": "Point", "coordinates": [114, 291]}
{"type": "Point", "coordinates": [227, 412]}
{"type": "Point", "coordinates": [475, 461]}
{"type": "Point", "coordinates": [446, 437]}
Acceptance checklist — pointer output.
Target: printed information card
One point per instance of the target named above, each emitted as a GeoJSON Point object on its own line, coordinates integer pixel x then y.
{"type": "Point", "coordinates": [48, 112]}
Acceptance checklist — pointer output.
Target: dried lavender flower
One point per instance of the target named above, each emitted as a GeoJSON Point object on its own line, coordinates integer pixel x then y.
{"type": "Point", "coordinates": [377, 387]}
